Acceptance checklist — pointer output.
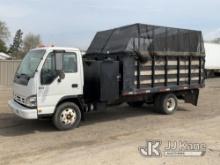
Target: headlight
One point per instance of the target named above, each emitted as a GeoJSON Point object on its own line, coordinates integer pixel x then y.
{"type": "Point", "coordinates": [31, 101]}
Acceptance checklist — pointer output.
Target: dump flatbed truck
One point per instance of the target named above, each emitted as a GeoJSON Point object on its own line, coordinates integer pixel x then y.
{"type": "Point", "coordinates": [134, 64]}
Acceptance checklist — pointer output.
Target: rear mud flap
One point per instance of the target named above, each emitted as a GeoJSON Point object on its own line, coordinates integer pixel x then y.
{"type": "Point", "coordinates": [192, 96]}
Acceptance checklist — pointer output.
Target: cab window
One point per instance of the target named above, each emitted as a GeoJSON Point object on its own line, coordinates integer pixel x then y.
{"type": "Point", "coordinates": [69, 63]}
{"type": "Point", "coordinates": [49, 73]}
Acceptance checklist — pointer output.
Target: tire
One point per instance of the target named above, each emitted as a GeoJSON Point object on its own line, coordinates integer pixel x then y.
{"type": "Point", "coordinates": [67, 116]}
{"type": "Point", "coordinates": [166, 103]}
{"type": "Point", "coordinates": [136, 104]}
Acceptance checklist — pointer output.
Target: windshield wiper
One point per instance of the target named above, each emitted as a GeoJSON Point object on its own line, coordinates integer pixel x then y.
{"type": "Point", "coordinates": [26, 75]}
{"type": "Point", "coordinates": [22, 74]}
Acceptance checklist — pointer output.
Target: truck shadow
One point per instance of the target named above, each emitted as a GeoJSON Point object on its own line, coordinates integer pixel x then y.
{"type": "Point", "coordinates": [118, 113]}
{"type": "Point", "coordinates": [11, 125]}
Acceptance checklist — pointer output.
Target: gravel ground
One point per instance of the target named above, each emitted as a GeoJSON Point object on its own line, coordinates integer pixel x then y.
{"type": "Point", "coordinates": [113, 136]}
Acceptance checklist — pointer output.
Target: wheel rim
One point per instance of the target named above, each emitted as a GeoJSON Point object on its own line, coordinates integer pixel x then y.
{"type": "Point", "coordinates": [68, 116]}
{"type": "Point", "coordinates": [171, 104]}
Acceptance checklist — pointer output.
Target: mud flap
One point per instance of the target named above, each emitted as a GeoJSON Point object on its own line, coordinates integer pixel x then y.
{"type": "Point", "coordinates": [191, 96]}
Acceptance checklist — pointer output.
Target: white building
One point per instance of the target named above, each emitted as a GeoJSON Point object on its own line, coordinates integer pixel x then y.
{"type": "Point", "coordinates": [4, 56]}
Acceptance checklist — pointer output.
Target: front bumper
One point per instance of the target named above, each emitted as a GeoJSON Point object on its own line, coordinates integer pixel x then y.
{"type": "Point", "coordinates": [22, 111]}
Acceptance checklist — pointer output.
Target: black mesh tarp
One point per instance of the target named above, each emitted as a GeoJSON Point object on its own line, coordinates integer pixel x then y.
{"type": "Point", "coordinates": [148, 40]}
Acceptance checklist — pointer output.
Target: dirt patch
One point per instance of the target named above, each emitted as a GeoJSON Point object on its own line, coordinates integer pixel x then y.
{"type": "Point", "coordinates": [113, 136]}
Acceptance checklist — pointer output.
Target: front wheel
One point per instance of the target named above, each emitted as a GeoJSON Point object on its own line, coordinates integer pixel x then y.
{"type": "Point", "coordinates": [67, 116]}
{"type": "Point", "coordinates": [166, 103]}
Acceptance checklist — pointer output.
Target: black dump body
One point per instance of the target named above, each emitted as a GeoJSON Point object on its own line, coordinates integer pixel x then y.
{"type": "Point", "coordinates": [149, 59]}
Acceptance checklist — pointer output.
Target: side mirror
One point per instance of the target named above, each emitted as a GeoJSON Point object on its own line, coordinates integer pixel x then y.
{"type": "Point", "coordinates": [59, 64]}
{"type": "Point", "coordinates": [61, 75]}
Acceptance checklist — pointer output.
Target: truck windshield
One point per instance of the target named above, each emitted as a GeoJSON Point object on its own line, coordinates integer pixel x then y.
{"type": "Point", "coordinates": [30, 63]}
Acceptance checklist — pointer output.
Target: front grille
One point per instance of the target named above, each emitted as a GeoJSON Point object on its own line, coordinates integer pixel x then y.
{"type": "Point", "coordinates": [19, 99]}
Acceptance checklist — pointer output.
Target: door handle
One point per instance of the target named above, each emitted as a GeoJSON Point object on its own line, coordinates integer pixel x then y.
{"type": "Point", "coordinates": [41, 87]}
{"type": "Point", "coordinates": [74, 85]}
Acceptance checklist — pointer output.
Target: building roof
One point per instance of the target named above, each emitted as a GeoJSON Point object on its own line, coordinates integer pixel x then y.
{"type": "Point", "coordinates": [4, 56]}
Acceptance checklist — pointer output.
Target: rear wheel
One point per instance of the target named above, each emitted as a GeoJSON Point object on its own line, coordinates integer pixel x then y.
{"type": "Point", "coordinates": [136, 103]}
{"type": "Point", "coordinates": [166, 103]}
{"type": "Point", "coordinates": [67, 116]}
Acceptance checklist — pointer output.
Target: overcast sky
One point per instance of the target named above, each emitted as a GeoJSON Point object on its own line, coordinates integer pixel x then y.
{"type": "Point", "coordinates": [74, 22]}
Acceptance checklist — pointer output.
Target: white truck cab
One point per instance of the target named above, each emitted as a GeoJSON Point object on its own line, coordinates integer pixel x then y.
{"type": "Point", "coordinates": [45, 77]}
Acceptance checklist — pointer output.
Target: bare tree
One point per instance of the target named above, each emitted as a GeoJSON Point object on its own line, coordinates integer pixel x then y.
{"type": "Point", "coordinates": [4, 32]}
{"type": "Point", "coordinates": [31, 41]}
{"type": "Point", "coordinates": [216, 40]}
{"type": "Point", "coordinates": [4, 35]}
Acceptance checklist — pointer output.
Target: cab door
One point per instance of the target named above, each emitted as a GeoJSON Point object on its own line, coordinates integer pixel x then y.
{"type": "Point", "coordinates": [51, 88]}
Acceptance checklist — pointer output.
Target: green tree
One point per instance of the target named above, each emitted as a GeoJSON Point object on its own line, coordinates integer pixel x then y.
{"type": "Point", "coordinates": [3, 47]}
{"type": "Point", "coordinates": [31, 41]}
{"type": "Point", "coordinates": [4, 35]}
{"type": "Point", "coordinates": [15, 48]}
